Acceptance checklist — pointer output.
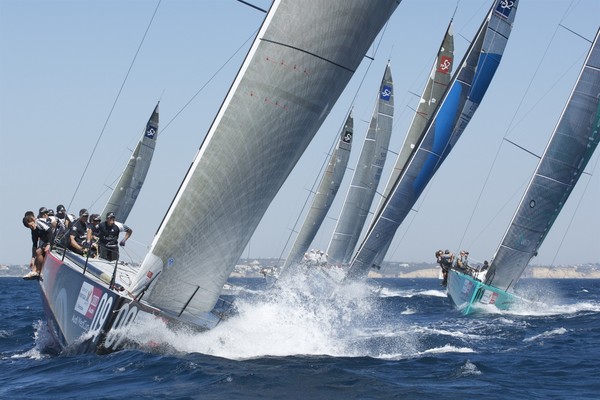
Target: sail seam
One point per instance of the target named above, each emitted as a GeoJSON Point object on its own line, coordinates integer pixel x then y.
{"type": "Point", "coordinates": [498, 32]}
{"type": "Point", "coordinates": [310, 53]}
{"type": "Point", "coordinates": [516, 250]}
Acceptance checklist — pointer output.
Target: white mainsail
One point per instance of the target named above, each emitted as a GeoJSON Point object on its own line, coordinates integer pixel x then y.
{"type": "Point", "coordinates": [301, 60]}
{"type": "Point", "coordinates": [367, 175]}
{"type": "Point", "coordinates": [571, 146]}
{"type": "Point", "coordinates": [449, 122]}
{"type": "Point", "coordinates": [326, 192]}
{"type": "Point", "coordinates": [130, 183]}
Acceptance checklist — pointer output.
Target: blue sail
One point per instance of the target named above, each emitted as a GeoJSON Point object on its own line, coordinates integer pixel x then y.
{"type": "Point", "coordinates": [464, 95]}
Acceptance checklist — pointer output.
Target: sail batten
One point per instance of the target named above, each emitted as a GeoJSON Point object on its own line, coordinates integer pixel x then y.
{"type": "Point", "coordinates": [276, 104]}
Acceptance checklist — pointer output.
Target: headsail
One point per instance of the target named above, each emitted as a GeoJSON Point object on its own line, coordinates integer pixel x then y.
{"type": "Point", "coordinates": [326, 192]}
{"type": "Point", "coordinates": [436, 86]}
{"type": "Point", "coordinates": [571, 145]}
{"type": "Point", "coordinates": [130, 183]}
{"type": "Point", "coordinates": [366, 176]}
{"type": "Point", "coordinates": [301, 60]}
{"type": "Point", "coordinates": [461, 100]}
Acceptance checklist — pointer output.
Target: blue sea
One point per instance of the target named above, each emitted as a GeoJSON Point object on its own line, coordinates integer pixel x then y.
{"type": "Point", "coordinates": [388, 339]}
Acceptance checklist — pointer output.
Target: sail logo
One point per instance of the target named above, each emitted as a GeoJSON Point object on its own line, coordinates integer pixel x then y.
{"type": "Point", "coordinates": [87, 300]}
{"type": "Point", "coordinates": [505, 7]}
{"type": "Point", "coordinates": [386, 93]}
{"type": "Point", "coordinates": [445, 65]}
{"type": "Point", "coordinates": [347, 137]}
{"type": "Point", "coordinates": [150, 132]}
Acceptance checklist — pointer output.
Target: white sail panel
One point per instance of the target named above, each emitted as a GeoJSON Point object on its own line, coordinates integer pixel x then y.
{"type": "Point", "coordinates": [326, 192]}
{"type": "Point", "coordinates": [571, 145]}
{"type": "Point", "coordinates": [132, 179]}
{"type": "Point", "coordinates": [304, 55]}
{"type": "Point", "coordinates": [366, 176]}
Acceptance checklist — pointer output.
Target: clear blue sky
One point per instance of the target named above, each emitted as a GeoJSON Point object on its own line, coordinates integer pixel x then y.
{"type": "Point", "coordinates": [63, 63]}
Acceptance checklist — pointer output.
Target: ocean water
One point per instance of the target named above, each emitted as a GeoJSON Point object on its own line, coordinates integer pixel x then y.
{"type": "Point", "coordinates": [390, 339]}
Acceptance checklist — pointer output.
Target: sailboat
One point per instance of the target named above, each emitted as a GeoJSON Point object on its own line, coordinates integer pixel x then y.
{"type": "Point", "coordinates": [130, 183]}
{"type": "Point", "coordinates": [366, 177]}
{"type": "Point", "coordinates": [456, 109]}
{"type": "Point", "coordinates": [437, 84]}
{"type": "Point", "coordinates": [567, 153]}
{"type": "Point", "coordinates": [298, 65]}
{"type": "Point", "coordinates": [326, 192]}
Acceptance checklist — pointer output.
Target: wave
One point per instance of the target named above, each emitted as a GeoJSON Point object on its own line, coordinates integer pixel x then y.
{"type": "Point", "coordinates": [448, 349]}
{"type": "Point", "coordinates": [388, 292]}
{"type": "Point", "coordinates": [547, 334]}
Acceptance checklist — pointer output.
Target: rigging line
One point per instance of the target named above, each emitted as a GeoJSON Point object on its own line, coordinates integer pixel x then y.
{"type": "Point", "coordinates": [556, 81]}
{"type": "Point", "coordinates": [575, 33]}
{"type": "Point", "coordinates": [208, 81]}
{"type": "Point", "coordinates": [112, 185]}
{"type": "Point", "coordinates": [522, 148]}
{"type": "Point", "coordinates": [455, 9]}
{"type": "Point", "coordinates": [573, 215]}
{"type": "Point", "coordinates": [114, 104]}
{"type": "Point", "coordinates": [506, 203]}
{"type": "Point", "coordinates": [508, 129]}
{"type": "Point", "coordinates": [510, 124]}
{"type": "Point", "coordinates": [252, 6]}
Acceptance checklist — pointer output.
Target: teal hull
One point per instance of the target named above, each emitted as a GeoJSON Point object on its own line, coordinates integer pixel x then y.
{"type": "Point", "coordinates": [468, 293]}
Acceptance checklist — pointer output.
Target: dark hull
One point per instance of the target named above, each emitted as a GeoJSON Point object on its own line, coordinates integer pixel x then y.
{"type": "Point", "coordinates": [85, 315]}
{"type": "Point", "coordinates": [81, 309]}
{"type": "Point", "coordinates": [467, 293]}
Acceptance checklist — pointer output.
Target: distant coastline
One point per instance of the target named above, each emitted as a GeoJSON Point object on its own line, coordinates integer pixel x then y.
{"type": "Point", "coordinates": [416, 270]}
{"type": "Point", "coordinates": [258, 268]}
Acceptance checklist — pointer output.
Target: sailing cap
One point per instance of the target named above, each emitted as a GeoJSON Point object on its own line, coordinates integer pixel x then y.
{"type": "Point", "coordinates": [83, 212]}
{"type": "Point", "coordinates": [43, 210]}
{"type": "Point", "coordinates": [95, 217]}
{"type": "Point", "coordinates": [110, 215]}
{"type": "Point", "coordinates": [51, 212]}
{"type": "Point", "coordinates": [60, 208]}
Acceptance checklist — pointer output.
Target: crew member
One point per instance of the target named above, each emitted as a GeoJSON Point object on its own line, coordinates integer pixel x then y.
{"type": "Point", "coordinates": [108, 234]}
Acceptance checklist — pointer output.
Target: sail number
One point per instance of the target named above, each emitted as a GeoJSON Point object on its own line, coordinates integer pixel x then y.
{"type": "Point", "coordinates": [126, 316]}
{"type": "Point", "coordinates": [102, 312]}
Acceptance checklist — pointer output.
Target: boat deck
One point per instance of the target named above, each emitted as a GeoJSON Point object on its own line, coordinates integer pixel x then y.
{"type": "Point", "coordinates": [101, 269]}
